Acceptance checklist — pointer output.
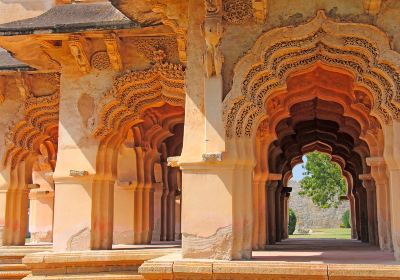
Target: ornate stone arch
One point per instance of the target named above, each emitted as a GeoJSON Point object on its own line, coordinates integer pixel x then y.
{"type": "Point", "coordinates": [361, 49]}
{"type": "Point", "coordinates": [135, 91]}
{"type": "Point", "coordinates": [122, 108]}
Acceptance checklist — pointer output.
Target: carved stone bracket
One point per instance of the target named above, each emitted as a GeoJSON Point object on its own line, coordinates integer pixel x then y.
{"type": "Point", "coordinates": [260, 10]}
{"type": "Point", "coordinates": [75, 44]}
{"type": "Point", "coordinates": [179, 30]}
{"type": "Point", "coordinates": [372, 7]}
{"type": "Point", "coordinates": [22, 85]}
{"type": "Point", "coordinates": [112, 44]}
{"type": "Point", "coordinates": [212, 31]}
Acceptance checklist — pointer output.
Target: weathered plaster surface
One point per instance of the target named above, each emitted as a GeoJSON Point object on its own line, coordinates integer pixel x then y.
{"type": "Point", "coordinates": [217, 246]}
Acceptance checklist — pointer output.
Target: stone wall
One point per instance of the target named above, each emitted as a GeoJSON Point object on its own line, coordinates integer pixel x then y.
{"type": "Point", "coordinates": [310, 216]}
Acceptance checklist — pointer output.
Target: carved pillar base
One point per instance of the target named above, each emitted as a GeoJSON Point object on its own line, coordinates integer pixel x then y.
{"type": "Point", "coordinates": [218, 197]}
{"type": "Point", "coordinates": [73, 214]}
{"type": "Point", "coordinates": [3, 194]}
{"type": "Point", "coordinates": [41, 216]}
{"type": "Point", "coordinates": [123, 214]}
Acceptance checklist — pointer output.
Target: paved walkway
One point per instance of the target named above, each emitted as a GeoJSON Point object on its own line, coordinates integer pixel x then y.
{"type": "Point", "coordinates": [327, 251]}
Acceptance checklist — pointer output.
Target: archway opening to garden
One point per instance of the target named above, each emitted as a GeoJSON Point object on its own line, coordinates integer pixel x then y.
{"type": "Point", "coordinates": [318, 205]}
{"type": "Point", "coordinates": [313, 117]}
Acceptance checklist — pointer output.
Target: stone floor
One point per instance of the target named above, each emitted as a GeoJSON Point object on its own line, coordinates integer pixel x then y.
{"type": "Point", "coordinates": [327, 251]}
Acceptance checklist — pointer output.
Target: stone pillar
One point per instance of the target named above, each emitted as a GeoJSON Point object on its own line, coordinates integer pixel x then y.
{"type": "Point", "coordinates": [84, 180]}
{"type": "Point", "coordinates": [41, 207]}
{"type": "Point", "coordinates": [172, 185]}
{"type": "Point", "coordinates": [260, 212]}
{"type": "Point", "coordinates": [378, 172]}
{"type": "Point", "coordinates": [286, 216]}
{"type": "Point", "coordinates": [353, 217]}
{"type": "Point", "coordinates": [41, 216]}
{"type": "Point", "coordinates": [362, 204]}
{"type": "Point", "coordinates": [164, 202]}
{"type": "Point", "coordinates": [278, 213]}
{"type": "Point", "coordinates": [123, 213]}
{"type": "Point", "coordinates": [271, 190]}
{"type": "Point", "coordinates": [3, 194]}
{"type": "Point", "coordinates": [352, 203]}
{"type": "Point", "coordinates": [17, 201]}
{"type": "Point", "coordinates": [124, 188]}
{"type": "Point", "coordinates": [368, 184]}
{"type": "Point", "coordinates": [178, 215]}
{"type": "Point", "coordinates": [392, 159]}
{"type": "Point", "coordinates": [216, 210]}
{"type": "Point", "coordinates": [260, 177]}
{"type": "Point", "coordinates": [158, 193]}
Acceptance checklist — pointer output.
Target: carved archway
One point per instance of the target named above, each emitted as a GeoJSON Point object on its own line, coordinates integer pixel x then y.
{"type": "Point", "coordinates": [123, 110]}
{"type": "Point", "coordinates": [261, 93]}
{"type": "Point", "coordinates": [361, 49]}
{"type": "Point", "coordinates": [31, 145]}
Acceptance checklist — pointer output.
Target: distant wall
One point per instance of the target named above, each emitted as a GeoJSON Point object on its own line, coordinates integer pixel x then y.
{"type": "Point", "coordinates": [310, 216]}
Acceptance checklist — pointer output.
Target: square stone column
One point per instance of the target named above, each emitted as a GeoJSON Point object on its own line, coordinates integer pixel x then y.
{"type": "Point", "coordinates": [216, 211]}
{"type": "Point", "coordinates": [83, 210]}
{"type": "Point", "coordinates": [72, 214]}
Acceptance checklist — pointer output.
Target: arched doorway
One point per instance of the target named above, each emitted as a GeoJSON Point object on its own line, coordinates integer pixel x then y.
{"type": "Point", "coordinates": [343, 87]}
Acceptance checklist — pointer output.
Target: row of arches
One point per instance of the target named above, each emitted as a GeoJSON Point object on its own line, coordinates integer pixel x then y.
{"type": "Point", "coordinates": [314, 114]}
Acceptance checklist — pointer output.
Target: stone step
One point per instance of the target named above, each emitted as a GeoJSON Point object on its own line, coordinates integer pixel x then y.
{"type": "Point", "coordinates": [90, 276]}
{"type": "Point", "coordinates": [13, 267]}
{"type": "Point", "coordinates": [11, 274]}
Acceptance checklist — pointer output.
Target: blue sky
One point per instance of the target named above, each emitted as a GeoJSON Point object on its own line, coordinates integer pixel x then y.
{"type": "Point", "coordinates": [298, 170]}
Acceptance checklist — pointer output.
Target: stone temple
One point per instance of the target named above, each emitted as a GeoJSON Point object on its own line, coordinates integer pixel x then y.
{"type": "Point", "coordinates": [154, 139]}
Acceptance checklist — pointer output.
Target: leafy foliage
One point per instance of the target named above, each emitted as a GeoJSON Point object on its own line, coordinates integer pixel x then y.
{"type": "Point", "coordinates": [323, 181]}
{"type": "Point", "coordinates": [292, 222]}
{"type": "Point", "coordinates": [346, 219]}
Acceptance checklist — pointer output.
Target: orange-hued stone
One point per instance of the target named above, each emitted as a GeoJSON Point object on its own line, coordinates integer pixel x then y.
{"type": "Point", "coordinates": [156, 139]}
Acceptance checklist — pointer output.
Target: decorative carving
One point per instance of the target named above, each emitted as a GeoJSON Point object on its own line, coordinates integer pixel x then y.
{"type": "Point", "coordinates": [147, 46]}
{"type": "Point", "coordinates": [39, 125]}
{"type": "Point", "coordinates": [180, 31]}
{"type": "Point", "coordinates": [363, 99]}
{"type": "Point", "coordinates": [212, 32]}
{"type": "Point", "coordinates": [357, 54]}
{"type": "Point", "coordinates": [213, 7]}
{"type": "Point", "coordinates": [78, 173]}
{"type": "Point", "coordinates": [212, 157]}
{"type": "Point", "coordinates": [372, 7]}
{"type": "Point", "coordinates": [78, 52]}
{"type": "Point", "coordinates": [173, 161]}
{"type": "Point", "coordinates": [134, 90]}
{"type": "Point", "coordinates": [238, 11]}
{"type": "Point", "coordinates": [112, 46]}
{"type": "Point", "coordinates": [263, 129]}
{"type": "Point", "coordinates": [100, 60]}
{"type": "Point", "coordinates": [260, 10]}
{"type": "Point", "coordinates": [22, 85]}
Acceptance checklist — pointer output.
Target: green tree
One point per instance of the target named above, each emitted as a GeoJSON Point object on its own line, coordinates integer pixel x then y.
{"type": "Point", "coordinates": [323, 181]}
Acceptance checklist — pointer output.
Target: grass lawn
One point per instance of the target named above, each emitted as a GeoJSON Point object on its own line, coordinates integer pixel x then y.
{"type": "Point", "coordinates": [338, 233]}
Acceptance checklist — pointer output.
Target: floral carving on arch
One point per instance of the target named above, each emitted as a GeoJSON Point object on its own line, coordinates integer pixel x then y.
{"type": "Point", "coordinates": [38, 127]}
{"type": "Point", "coordinates": [135, 91]}
{"type": "Point", "coordinates": [362, 50]}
